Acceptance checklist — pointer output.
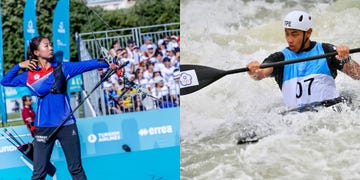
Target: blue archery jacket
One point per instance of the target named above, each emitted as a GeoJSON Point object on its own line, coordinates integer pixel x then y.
{"type": "Point", "coordinates": [52, 107]}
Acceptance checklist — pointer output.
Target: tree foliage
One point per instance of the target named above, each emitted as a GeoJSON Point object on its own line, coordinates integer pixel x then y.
{"type": "Point", "coordinates": [82, 19]}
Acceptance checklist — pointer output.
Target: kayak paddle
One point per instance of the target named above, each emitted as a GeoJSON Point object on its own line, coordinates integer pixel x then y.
{"type": "Point", "coordinates": [195, 77]}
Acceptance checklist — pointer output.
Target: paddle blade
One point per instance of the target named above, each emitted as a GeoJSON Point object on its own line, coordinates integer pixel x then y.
{"type": "Point", "coordinates": [196, 77]}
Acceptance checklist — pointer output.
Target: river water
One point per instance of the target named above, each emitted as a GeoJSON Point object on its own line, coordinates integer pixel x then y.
{"type": "Point", "coordinates": [229, 34]}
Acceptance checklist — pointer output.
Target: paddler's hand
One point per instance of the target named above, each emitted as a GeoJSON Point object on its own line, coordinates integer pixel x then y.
{"type": "Point", "coordinates": [343, 52]}
{"type": "Point", "coordinates": [254, 70]}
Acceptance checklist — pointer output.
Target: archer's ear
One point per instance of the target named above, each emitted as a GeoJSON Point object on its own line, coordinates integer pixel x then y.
{"type": "Point", "coordinates": [36, 52]}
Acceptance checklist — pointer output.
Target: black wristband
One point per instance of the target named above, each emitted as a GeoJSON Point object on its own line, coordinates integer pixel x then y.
{"type": "Point", "coordinates": [344, 61]}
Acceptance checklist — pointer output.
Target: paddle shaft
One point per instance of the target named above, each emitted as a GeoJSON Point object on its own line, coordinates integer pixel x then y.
{"type": "Point", "coordinates": [207, 75]}
{"type": "Point", "coordinates": [282, 63]}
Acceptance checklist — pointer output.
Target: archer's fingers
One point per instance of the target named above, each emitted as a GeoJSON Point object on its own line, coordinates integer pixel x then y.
{"type": "Point", "coordinates": [32, 64]}
{"type": "Point", "coordinates": [113, 66]}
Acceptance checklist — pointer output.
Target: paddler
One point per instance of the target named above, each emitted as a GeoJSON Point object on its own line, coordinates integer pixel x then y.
{"type": "Point", "coordinates": [310, 82]}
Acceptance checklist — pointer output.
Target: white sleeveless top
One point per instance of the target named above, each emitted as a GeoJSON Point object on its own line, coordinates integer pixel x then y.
{"type": "Point", "coordinates": [307, 82]}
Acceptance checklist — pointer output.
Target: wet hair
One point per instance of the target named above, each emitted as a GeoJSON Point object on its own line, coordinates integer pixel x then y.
{"type": "Point", "coordinates": [34, 45]}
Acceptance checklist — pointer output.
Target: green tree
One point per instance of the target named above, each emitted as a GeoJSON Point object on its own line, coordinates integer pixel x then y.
{"type": "Point", "coordinates": [13, 43]}
{"type": "Point", "coordinates": [82, 19]}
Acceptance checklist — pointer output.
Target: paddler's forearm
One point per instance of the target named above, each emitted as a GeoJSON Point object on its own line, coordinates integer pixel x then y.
{"type": "Point", "coordinates": [352, 69]}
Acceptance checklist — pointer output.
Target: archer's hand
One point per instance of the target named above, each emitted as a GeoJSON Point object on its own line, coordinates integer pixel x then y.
{"type": "Point", "coordinates": [113, 66]}
{"type": "Point", "coordinates": [31, 65]}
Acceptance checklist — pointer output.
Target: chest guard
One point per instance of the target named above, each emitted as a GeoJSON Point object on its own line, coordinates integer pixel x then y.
{"type": "Point", "coordinates": [60, 83]}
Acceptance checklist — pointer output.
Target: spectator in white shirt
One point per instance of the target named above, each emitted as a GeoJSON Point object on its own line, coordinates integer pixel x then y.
{"type": "Point", "coordinates": [136, 54]}
{"type": "Point", "coordinates": [159, 61]}
{"type": "Point", "coordinates": [150, 53]}
{"type": "Point", "coordinates": [114, 47]}
{"type": "Point", "coordinates": [140, 80]}
{"type": "Point", "coordinates": [129, 48]}
{"type": "Point", "coordinates": [173, 43]}
{"type": "Point", "coordinates": [148, 73]}
{"type": "Point", "coordinates": [147, 41]}
{"type": "Point", "coordinates": [168, 70]}
{"type": "Point", "coordinates": [129, 68]}
{"type": "Point", "coordinates": [160, 91]}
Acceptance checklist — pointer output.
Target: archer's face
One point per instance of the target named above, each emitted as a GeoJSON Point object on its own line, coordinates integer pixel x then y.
{"type": "Point", "coordinates": [45, 49]}
{"type": "Point", "coordinates": [295, 37]}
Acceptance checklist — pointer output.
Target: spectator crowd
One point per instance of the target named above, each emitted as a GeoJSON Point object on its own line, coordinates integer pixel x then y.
{"type": "Point", "coordinates": [149, 81]}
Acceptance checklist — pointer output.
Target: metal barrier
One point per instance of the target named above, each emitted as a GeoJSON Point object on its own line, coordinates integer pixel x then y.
{"type": "Point", "coordinates": [142, 100]}
{"type": "Point", "coordinates": [88, 48]}
{"type": "Point", "coordinates": [91, 40]}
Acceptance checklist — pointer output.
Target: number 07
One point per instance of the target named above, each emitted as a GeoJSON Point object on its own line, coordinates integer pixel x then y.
{"type": "Point", "coordinates": [300, 87]}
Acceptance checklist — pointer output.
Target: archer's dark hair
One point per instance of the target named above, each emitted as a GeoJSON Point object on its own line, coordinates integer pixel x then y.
{"type": "Point", "coordinates": [34, 45]}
